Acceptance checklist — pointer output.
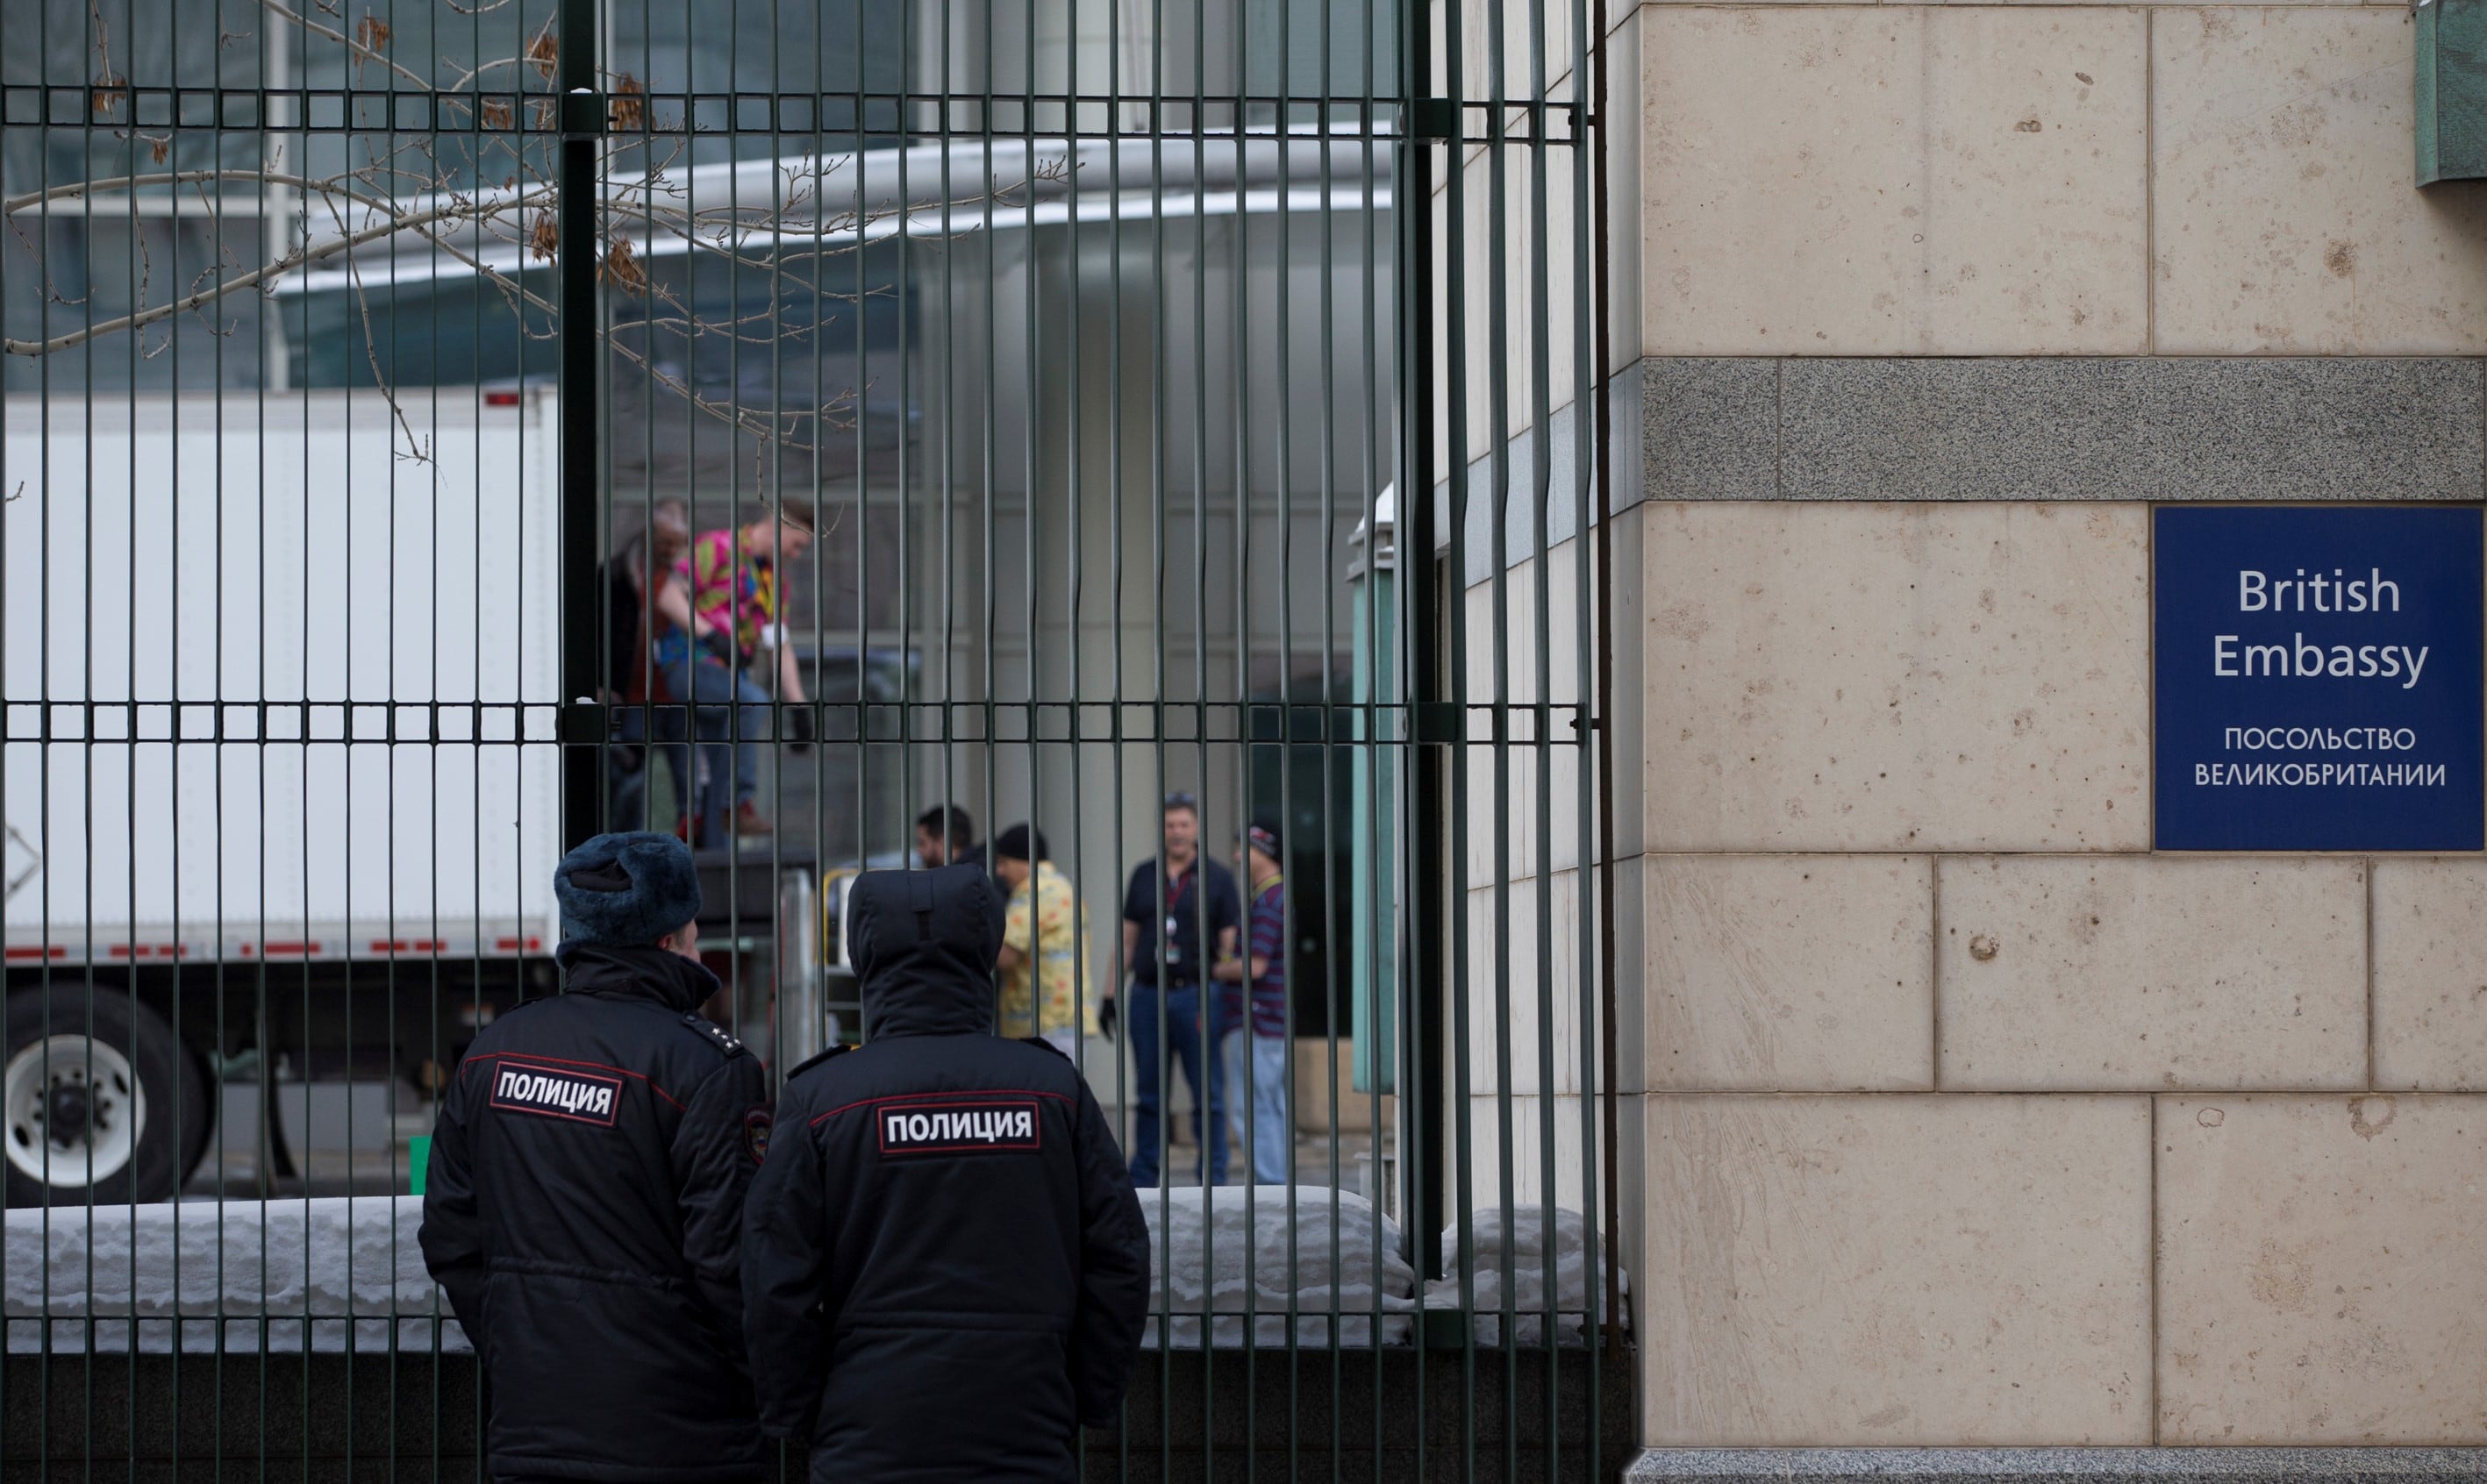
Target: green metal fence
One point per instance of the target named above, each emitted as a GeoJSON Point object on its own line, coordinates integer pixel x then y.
{"type": "Point", "coordinates": [1198, 399]}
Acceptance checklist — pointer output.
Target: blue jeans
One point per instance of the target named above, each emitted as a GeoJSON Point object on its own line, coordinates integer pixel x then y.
{"type": "Point", "coordinates": [630, 790]}
{"type": "Point", "coordinates": [1144, 1006]}
{"type": "Point", "coordinates": [1268, 1086]}
{"type": "Point", "coordinates": [711, 685]}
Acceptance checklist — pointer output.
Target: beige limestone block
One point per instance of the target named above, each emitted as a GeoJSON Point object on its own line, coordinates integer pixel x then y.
{"type": "Point", "coordinates": [1801, 973]}
{"type": "Point", "coordinates": [1895, 677]}
{"type": "Point", "coordinates": [1493, 344]}
{"type": "Point", "coordinates": [2431, 973]}
{"type": "Point", "coordinates": [1896, 1271]}
{"type": "Point", "coordinates": [1520, 1155]}
{"type": "Point", "coordinates": [1894, 180]}
{"type": "Point", "coordinates": [2057, 973]}
{"type": "Point", "coordinates": [1512, 1011]}
{"type": "Point", "coordinates": [2286, 219]}
{"type": "Point", "coordinates": [1625, 942]}
{"type": "Point", "coordinates": [2323, 1269]}
{"type": "Point", "coordinates": [1626, 613]}
{"type": "Point", "coordinates": [1508, 829]}
{"type": "Point", "coordinates": [1524, 26]}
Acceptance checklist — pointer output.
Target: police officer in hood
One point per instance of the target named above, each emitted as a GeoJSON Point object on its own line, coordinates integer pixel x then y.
{"type": "Point", "coordinates": [583, 1205]}
{"type": "Point", "coordinates": [945, 1267]}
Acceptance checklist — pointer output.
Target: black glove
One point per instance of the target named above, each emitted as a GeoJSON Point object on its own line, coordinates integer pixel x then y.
{"type": "Point", "coordinates": [719, 645]}
{"type": "Point", "coordinates": [799, 731]}
{"type": "Point", "coordinates": [1107, 1017]}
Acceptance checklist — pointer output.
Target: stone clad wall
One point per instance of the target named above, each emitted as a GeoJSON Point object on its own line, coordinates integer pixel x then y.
{"type": "Point", "coordinates": [1969, 1120]}
{"type": "Point", "coordinates": [1939, 1052]}
{"type": "Point", "coordinates": [1827, 179]}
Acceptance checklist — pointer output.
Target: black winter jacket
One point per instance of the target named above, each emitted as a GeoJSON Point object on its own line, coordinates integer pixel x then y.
{"type": "Point", "coordinates": [583, 1210]}
{"type": "Point", "coordinates": [945, 1267]}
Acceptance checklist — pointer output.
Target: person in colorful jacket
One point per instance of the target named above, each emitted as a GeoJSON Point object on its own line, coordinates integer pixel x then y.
{"type": "Point", "coordinates": [1270, 1139]}
{"type": "Point", "coordinates": [1044, 955]}
{"type": "Point", "coordinates": [734, 578]}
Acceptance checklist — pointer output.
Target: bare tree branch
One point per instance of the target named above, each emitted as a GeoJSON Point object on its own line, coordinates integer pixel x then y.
{"type": "Point", "coordinates": [299, 257]}
{"type": "Point", "coordinates": [431, 190]}
{"type": "Point", "coordinates": [360, 52]}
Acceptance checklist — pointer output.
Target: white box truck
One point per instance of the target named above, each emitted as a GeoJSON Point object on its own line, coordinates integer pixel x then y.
{"type": "Point", "coordinates": [280, 786]}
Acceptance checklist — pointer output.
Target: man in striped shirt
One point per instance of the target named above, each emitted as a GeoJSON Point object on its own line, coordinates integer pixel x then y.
{"type": "Point", "coordinates": [1269, 1138]}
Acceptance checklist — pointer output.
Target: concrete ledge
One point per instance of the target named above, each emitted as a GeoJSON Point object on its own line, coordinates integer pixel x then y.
{"type": "Point", "coordinates": [2011, 1466]}
{"type": "Point", "coordinates": [2064, 428]}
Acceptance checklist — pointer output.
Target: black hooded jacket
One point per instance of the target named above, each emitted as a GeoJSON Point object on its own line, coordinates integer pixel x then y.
{"type": "Point", "coordinates": [583, 1210]}
{"type": "Point", "coordinates": [945, 1267]}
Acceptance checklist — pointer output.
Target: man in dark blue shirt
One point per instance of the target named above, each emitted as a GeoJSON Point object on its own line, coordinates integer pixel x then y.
{"type": "Point", "coordinates": [1172, 907]}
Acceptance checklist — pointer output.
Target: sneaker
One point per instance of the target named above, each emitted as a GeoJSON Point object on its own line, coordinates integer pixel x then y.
{"type": "Point", "coordinates": [747, 820]}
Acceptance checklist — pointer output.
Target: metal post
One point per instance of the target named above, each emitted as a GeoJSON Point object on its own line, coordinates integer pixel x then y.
{"type": "Point", "coordinates": [581, 119]}
{"type": "Point", "coordinates": [1372, 575]}
{"type": "Point", "coordinates": [1422, 1097]}
{"type": "Point", "coordinates": [803, 1020]}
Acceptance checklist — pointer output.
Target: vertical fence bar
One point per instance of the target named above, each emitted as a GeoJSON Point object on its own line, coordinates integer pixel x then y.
{"type": "Point", "coordinates": [581, 116]}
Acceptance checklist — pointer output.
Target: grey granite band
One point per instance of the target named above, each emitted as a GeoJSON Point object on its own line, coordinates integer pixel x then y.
{"type": "Point", "coordinates": [2033, 1466]}
{"type": "Point", "coordinates": [2169, 427]}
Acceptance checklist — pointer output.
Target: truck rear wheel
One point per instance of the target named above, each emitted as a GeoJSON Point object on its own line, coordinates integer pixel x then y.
{"type": "Point", "coordinates": [99, 1101]}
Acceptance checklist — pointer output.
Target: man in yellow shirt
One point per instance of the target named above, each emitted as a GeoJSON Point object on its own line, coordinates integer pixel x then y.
{"type": "Point", "coordinates": [1043, 941]}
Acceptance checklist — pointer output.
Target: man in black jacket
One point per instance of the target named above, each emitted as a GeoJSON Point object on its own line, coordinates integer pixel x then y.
{"type": "Point", "coordinates": [945, 1267]}
{"type": "Point", "coordinates": [583, 1205]}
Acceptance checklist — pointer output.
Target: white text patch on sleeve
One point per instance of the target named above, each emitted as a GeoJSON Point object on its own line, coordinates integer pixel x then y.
{"type": "Point", "coordinates": [965, 1126]}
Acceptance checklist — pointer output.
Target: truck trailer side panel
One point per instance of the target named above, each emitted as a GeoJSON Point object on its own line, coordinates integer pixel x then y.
{"type": "Point", "coordinates": [271, 669]}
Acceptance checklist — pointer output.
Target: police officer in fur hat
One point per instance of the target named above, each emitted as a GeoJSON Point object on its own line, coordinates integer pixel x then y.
{"type": "Point", "coordinates": [584, 1201]}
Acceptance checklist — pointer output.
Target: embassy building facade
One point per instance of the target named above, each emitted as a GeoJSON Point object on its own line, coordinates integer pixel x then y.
{"type": "Point", "coordinates": [2047, 557]}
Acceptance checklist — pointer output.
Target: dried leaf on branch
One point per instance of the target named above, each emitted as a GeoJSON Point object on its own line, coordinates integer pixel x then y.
{"type": "Point", "coordinates": [543, 51]}
{"type": "Point", "coordinates": [629, 105]}
{"type": "Point", "coordinates": [622, 267]}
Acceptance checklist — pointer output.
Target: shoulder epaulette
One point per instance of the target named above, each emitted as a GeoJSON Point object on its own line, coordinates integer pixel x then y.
{"type": "Point", "coordinates": [715, 1034]}
{"type": "Point", "coordinates": [815, 1061]}
{"type": "Point", "coordinates": [1047, 1045]}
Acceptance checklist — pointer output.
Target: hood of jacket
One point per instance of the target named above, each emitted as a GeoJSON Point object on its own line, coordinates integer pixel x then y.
{"type": "Point", "coordinates": [678, 984]}
{"type": "Point", "coordinates": [923, 943]}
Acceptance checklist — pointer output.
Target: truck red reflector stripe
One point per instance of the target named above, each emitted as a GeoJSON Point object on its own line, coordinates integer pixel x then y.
{"type": "Point", "coordinates": [35, 951]}
{"type": "Point", "coordinates": [407, 946]}
{"type": "Point", "coordinates": [517, 944]}
{"type": "Point", "coordinates": [286, 950]}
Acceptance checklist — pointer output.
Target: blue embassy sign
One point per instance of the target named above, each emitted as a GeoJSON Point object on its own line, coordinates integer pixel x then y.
{"type": "Point", "coordinates": [2318, 674]}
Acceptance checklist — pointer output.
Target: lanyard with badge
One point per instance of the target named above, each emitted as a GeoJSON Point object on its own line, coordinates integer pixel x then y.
{"type": "Point", "coordinates": [1173, 954]}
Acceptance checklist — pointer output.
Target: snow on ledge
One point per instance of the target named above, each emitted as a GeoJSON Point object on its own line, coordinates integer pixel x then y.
{"type": "Point", "coordinates": [346, 1271]}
